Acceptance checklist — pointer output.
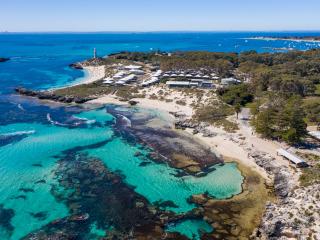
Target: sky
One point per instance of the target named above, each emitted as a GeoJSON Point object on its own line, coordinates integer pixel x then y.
{"type": "Point", "coordinates": [158, 15]}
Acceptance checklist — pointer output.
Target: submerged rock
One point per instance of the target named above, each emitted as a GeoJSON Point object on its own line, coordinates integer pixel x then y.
{"type": "Point", "coordinates": [4, 59]}
{"type": "Point", "coordinates": [6, 216]}
{"type": "Point", "coordinates": [94, 195]}
{"type": "Point", "coordinates": [26, 190]}
{"type": "Point", "coordinates": [76, 66]}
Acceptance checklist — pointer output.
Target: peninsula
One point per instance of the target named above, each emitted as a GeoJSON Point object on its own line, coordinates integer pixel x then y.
{"type": "Point", "coordinates": [258, 110]}
{"type": "Point", "coordinates": [291, 38]}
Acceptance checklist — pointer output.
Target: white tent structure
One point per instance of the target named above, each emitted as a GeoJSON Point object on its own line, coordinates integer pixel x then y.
{"type": "Point", "coordinates": [292, 157]}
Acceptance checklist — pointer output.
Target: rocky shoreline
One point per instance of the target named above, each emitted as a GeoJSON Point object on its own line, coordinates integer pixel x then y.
{"type": "Point", "coordinates": [49, 95]}
{"type": "Point", "coordinates": [295, 212]}
{"type": "Point", "coordinates": [274, 222]}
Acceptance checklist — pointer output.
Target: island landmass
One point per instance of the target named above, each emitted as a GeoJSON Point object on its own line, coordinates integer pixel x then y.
{"type": "Point", "coordinates": [257, 109]}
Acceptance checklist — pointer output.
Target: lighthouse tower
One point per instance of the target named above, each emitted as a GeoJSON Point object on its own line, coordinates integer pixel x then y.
{"type": "Point", "coordinates": [94, 53]}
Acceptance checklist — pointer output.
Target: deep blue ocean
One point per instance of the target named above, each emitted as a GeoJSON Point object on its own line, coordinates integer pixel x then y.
{"type": "Point", "coordinates": [32, 133]}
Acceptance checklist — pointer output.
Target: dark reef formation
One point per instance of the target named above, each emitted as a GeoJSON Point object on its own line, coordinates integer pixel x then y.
{"type": "Point", "coordinates": [5, 219]}
{"type": "Point", "coordinates": [174, 148]}
{"type": "Point", "coordinates": [94, 195]}
{"type": "Point", "coordinates": [48, 95]}
{"type": "Point", "coordinates": [76, 66]}
{"type": "Point", "coordinates": [4, 59]}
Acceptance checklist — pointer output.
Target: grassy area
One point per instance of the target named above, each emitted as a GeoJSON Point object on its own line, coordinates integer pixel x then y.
{"type": "Point", "coordinates": [311, 106]}
{"type": "Point", "coordinates": [215, 114]}
{"type": "Point", "coordinates": [311, 174]}
{"type": "Point", "coordinates": [85, 90]}
{"type": "Point", "coordinates": [227, 125]}
{"type": "Point", "coordinates": [97, 89]}
{"type": "Point", "coordinates": [317, 92]}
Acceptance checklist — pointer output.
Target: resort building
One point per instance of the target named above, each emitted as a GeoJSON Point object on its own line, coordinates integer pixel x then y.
{"type": "Point", "coordinates": [108, 81]}
{"type": "Point", "coordinates": [151, 81]}
{"type": "Point", "coordinates": [315, 134]}
{"type": "Point", "coordinates": [178, 83]}
{"type": "Point", "coordinates": [132, 67]}
{"type": "Point", "coordinates": [206, 84]}
{"type": "Point", "coordinates": [229, 81]}
{"type": "Point", "coordinates": [292, 158]}
{"type": "Point", "coordinates": [120, 75]}
{"type": "Point", "coordinates": [136, 71]}
{"type": "Point", "coordinates": [127, 79]}
{"type": "Point", "coordinates": [197, 83]}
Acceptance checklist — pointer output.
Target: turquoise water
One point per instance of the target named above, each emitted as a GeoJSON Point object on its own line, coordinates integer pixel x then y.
{"type": "Point", "coordinates": [16, 170]}
{"type": "Point", "coordinates": [29, 142]}
{"type": "Point", "coordinates": [191, 228]}
{"type": "Point", "coordinates": [43, 142]}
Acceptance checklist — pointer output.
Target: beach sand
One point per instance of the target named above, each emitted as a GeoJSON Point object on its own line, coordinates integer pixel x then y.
{"type": "Point", "coordinates": [223, 143]}
{"type": "Point", "coordinates": [92, 74]}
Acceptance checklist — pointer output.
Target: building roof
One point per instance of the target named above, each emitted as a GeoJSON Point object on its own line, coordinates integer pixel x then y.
{"type": "Point", "coordinates": [120, 82]}
{"type": "Point", "coordinates": [229, 80]}
{"type": "Point", "coordinates": [108, 81]}
{"type": "Point", "coordinates": [194, 84]}
{"type": "Point", "coordinates": [128, 78]}
{"type": "Point", "coordinates": [292, 157]}
{"type": "Point", "coordinates": [133, 67]}
{"type": "Point", "coordinates": [119, 74]}
{"type": "Point", "coordinates": [207, 82]}
{"type": "Point", "coordinates": [178, 83]}
{"type": "Point", "coordinates": [151, 81]}
{"type": "Point", "coordinates": [157, 73]}
{"type": "Point", "coordinates": [136, 71]}
{"type": "Point", "coordinates": [315, 134]}
{"type": "Point", "coordinates": [197, 80]}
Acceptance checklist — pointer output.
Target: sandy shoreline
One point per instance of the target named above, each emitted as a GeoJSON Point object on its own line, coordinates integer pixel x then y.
{"type": "Point", "coordinates": [92, 74]}
{"type": "Point", "coordinates": [223, 143]}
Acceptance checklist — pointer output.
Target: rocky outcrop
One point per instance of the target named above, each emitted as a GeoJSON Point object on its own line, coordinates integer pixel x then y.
{"type": "Point", "coordinates": [296, 213]}
{"type": "Point", "coordinates": [182, 123]}
{"type": "Point", "coordinates": [283, 182]}
{"type": "Point", "coordinates": [47, 95]}
{"type": "Point", "coordinates": [4, 59]}
{"type": "Point", "coordinates": [88, 63]}
{"type": "Point", "coordinates": [296, 217]}
{"type": "Point", "coordinates": [76, 66]}
{"type": "Point", "coordinates": [133, 103]}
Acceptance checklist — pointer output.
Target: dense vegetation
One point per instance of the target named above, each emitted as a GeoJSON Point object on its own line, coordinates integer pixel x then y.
{"type": "Point", "coordinates": [283, 89]}
{"type": "Point", "coordinates": [310, 176]}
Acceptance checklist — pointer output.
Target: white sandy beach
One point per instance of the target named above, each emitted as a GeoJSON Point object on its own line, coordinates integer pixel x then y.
{"type": "Point", "coordinates": [92, 74]}
{"type": "Point", "coordinates": [225, 144]}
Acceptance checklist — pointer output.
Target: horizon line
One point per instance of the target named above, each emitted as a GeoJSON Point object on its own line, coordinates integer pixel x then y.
{"type": "Point", "coordinates": [165, 31]}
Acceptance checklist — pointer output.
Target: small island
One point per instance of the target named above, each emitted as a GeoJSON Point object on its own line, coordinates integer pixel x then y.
{"type": "Point", "coordinates": [290, 38]}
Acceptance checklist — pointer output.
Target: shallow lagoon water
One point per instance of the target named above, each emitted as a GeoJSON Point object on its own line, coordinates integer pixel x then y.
{"type": "Point", "coordinates": [20, 169]}
{"type": "Point", "coordinates": [40, 61]}
{"type": "Point", "coordinates": [191, 228]}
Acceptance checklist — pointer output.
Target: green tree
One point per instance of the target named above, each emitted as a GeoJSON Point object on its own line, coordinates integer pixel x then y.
{"type": "Point", "coordinates": [237, 109]}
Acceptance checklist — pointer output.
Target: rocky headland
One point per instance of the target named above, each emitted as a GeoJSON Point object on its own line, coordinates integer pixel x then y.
{"type": "Point", "coordinates": [50, 95]}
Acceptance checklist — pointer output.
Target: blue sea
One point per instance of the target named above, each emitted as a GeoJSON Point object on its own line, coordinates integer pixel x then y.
{"type": "Point", "coordinates": [34, 134]}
